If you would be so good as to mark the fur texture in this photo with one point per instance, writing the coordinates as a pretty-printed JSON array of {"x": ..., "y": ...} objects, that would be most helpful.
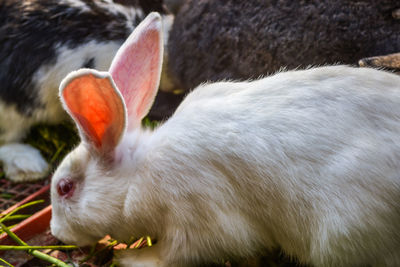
[
  {"x": 41, "y": 41},
  {"x": 228, "y": 39},
  {"x": 305, "y": 160}
]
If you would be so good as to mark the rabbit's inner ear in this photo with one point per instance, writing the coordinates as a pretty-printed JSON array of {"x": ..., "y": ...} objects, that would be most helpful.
[
  {"x": 136, "y": 68},
  {"x": 96, "y": 106}
]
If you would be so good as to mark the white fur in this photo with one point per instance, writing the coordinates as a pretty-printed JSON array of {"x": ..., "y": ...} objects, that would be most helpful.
[
  {"x": 146, "y": 257},
  {"x": 22, "y": 162},
  {"x": 305, "y": 160}
]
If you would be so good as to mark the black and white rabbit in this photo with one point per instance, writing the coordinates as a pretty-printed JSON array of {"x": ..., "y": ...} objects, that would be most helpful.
[
  {"x": 239, "y": 40},
  {"x": 41, "y": 41},
  {"x": 306, "y": 160}
]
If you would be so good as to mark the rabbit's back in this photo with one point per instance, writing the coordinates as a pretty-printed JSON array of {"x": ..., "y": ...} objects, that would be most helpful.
[{"x": 306, "y": 160}]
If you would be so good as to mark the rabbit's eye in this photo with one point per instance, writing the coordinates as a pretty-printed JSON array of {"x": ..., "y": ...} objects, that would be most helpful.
[{"x": 65, "y": 187}]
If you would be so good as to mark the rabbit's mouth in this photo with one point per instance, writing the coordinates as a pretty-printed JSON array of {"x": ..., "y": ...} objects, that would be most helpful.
[{"x": 70, "y": 237}]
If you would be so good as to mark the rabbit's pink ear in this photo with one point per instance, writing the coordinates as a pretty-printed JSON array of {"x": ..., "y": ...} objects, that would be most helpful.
[
  {"x": 97, "y": 107},
  {"x": 136, "y": 68}
]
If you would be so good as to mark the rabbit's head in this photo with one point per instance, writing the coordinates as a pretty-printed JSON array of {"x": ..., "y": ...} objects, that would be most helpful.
[{"x": 89, "y": 187}]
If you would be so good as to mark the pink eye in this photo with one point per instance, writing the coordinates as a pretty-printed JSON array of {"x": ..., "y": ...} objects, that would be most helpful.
[{"x": 65, "y": 187}]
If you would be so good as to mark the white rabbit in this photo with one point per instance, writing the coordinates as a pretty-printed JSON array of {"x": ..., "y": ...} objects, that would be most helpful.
[{"x": 305, "y": 160}]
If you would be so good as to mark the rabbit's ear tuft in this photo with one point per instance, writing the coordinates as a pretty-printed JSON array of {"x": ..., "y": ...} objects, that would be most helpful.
[
  {"x": 136, "y": 68},
  {"x": 97, "y": 107}
]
